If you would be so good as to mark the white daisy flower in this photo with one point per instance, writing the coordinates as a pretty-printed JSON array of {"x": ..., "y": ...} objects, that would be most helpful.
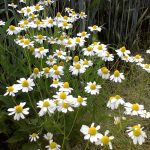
[
  {"x": 65, "y": 88},
  {"x": 77, "y": 68},
  {"x": 56, "y": 84},
  {"x": 51, "y": 60},
  {"x": 47, "y": 106},
  {"x": 60, "y": 54},
  {"x": 53, "y": 146},
  {"x": 80, "y": 101},
  {"x": 108, "y": 57},
  {"x": 115, "y": 101},
  {"x": 40, "y": 38},
  {"x": 95, "y": 28},
  {"x": 36, "y": 73},
  {"x": 92, "y": 88},
  {"x": 89, "y": 51},
  {"x": 86, "y": 63},
  {"x": 133, "y": 109},
  {"x": 90, "y": 133},
  {"x": 117, "y": 76},
  {"x": 105, "y": 140},
  {"x": 25, "y": 85},
  {"x": 145, "y": 114},
  {"x": 2, "y": 23},
  {"x": 11, "y": 90},
  {"x": 136, "y": 134},
  {"x": 138, "y": 58},
  {"x": 13, "y": 30},
  {"x": 83, "y": 34},
  {"x": 18, "y": 111},
  {"x": 46, "y": 72},
  {"x": 33, "y": 137},
  {"x": 79, "y": 41},
  {"x": 104, "y": 73},
  {"x": 122, "y": 51},
  {"x": 48, "y": 136},
  {"x": 40, "y": 52}
]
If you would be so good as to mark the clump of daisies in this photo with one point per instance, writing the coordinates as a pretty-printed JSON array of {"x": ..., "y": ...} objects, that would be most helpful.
[{"x": 61, "y": 58}]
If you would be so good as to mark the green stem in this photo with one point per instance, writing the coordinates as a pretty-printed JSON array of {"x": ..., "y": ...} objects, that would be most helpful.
[
  {"x": 87, "y": 144},
  {"x": 64, "y": 133},
  {"x": 75, "y": 118}
]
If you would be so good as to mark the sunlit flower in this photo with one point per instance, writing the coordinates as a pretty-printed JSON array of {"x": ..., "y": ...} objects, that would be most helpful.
[
  {"x": 95, "y": 28},
  {"x": 108, "y": 57},
  {"x": 11, "y": 90},
  {"x": 80, "y": 101},
  {"x": 36, "y": 73},
  {"x": 77, "y": 68},
  {"x": 18, "y": 111},
  {"x": 133, "y": 109},
  {"x": 104, "y": 73},
  {"x": 117, "y": 76},
  {"x": 2, "y": 23},
  {"x": 122, "y": 52},
  {"x": 40, "y": 52},
  {"x": 89, "y": 51},
  {"x": 105, "y": 140},
  {"x": 90, "y": 133},
  {"x": 92, "y": 88},
  {"x": 25, "y": 84},
  {"x": 52, "y": 146},
  {"x": 138, "y": 58},
  {"x": 48, "y": 136},
  {"x": 47, "y": 106},
  {"x": 83, "y": 34},
  {"x": 56, "y": 84},
  {"x": 13, "y": 30},
  {"x": 65, "y": 88},
  {"x": 51, "y": 60},
  {"x": 136, "y": 134},
  {"x": 115, "y": 101},
  {"x": 33, "y": 137}
]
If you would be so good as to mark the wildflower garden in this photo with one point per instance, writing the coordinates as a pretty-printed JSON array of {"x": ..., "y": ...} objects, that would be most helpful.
[{"x": 69, "y": 81}]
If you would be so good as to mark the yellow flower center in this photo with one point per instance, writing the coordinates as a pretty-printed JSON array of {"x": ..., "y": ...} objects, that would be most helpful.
[
  {"x": 69, "y": 42},
  {"x": 93, "y": 87},
  {"x": 37, "y": 7},
  {"x": 94, "y": 27},
  {"x": 78, "y": 40},
  {"x": 46, "y": 104},
  {"x": 46, "y": 70},
  {"x": 51, "y": 59},
  {"x": 25, "y": 83},
  {"x": 19, "y": 109},
  {"x": 80, "y": 99},
  {"x": 117, "y": 97},
  {"x": 26, "y": 42},
  {"x": 10, "y": 89},
  {"x": 76, "y": 58},
  {"x": 52, "y": 145},
  {"x": 65, "y": 17},
  {"x": 65, "y": 24},
  {"x": 26, "y": 22},
  {"x": 34, "y": 135},
  {"x": 28, "y": 10},
  {"x": 63, "y": 95},
  {"x": 92, "y": 131},
  {"x": 104, "y": 70},
  {"x": 135, "y": 107},
  {"x": 105, "y": 140},
  {"x": 37, "y": 22},
  {"x": 137, "y": 56},
  {"x": 55, "y": 67},
  {"x": 58, "y": 14},
  {"x": 136, "y": 130},
  {"x": 83, "y": 34},
  {"x": 50, "y": 21},
  {"x": 40, "y": 37},
  {"x": 41, "y": 49},
  {"x": 123, "y": 49},
  {"x": 59, "y": 53},
  {"x": 116, "y": 73},
  {"x": 66, "y": 105},
  {"x": 146, "y": 66},
  {"x": 100, "y": 47},
  {"x": 89, "y": 48},
  {"x": 55, "y": 82},
  {"x": 85, "y": 62},
  {"x": 56, "y": 72},
  {"x": 36, "y": 70},
  {"x": 66, "y": 85},
  {"x": 77, "y": 66}
]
